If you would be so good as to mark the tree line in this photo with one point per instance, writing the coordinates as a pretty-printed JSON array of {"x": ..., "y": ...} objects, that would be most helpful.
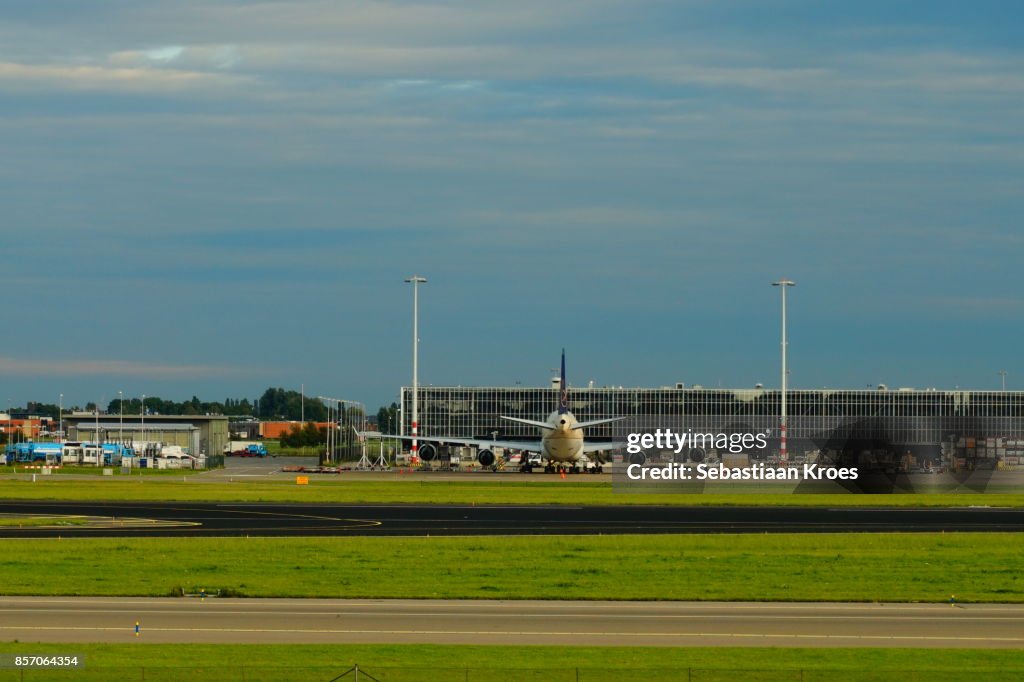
[
  {"x": 304, "y": 435},
  {"x": 274, "y": 404}
]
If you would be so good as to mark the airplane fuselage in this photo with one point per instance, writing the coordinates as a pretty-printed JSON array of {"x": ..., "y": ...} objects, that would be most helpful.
[{"x": 560, "y": 442}]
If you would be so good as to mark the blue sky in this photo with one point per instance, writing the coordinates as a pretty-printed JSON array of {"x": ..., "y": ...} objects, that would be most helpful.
[{"x": 213, "y": 197}]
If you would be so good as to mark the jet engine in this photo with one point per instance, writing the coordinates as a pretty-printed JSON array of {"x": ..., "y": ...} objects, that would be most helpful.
[
  {"x": 638, "y": 457},
  {"x": 428, "y": 452},
  {"x": 485, "y": 458}
]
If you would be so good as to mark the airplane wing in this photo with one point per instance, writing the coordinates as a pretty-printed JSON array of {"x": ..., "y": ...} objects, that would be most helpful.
[
  {"x": 594, "y": 422},
  {"x": 602, "y": 447},
  {"x": 529, "y": 422},
  {"x": 479, "y": 443}
]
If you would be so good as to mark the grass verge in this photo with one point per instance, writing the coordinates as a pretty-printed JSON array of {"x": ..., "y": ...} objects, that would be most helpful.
[
  {"x": 926, "y": 567},
  {"x": 439, "y": 663},
  {"x": 476, "y": 489}
]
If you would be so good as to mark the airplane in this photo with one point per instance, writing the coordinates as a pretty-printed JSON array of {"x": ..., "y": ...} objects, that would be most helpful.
[{"x": 561, "y": 442}]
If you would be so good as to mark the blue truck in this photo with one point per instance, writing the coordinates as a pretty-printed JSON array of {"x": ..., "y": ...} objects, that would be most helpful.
[
  {"x": 245, "y": 449},
  {"x": 34, "y": 453},
  {"x": 55, "y": 454}
]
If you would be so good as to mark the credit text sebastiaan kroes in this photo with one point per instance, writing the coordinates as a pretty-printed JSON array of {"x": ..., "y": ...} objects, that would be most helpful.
[{"x": 666, "y": 439}]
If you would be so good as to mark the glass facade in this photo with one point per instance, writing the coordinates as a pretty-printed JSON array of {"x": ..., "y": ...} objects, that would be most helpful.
[{"x": 918, "y": 420}]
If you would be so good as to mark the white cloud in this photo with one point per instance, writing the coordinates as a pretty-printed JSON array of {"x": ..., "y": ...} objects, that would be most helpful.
[
  {"x": 191, "y": 57},
  {"x": 164, "y": 54}
]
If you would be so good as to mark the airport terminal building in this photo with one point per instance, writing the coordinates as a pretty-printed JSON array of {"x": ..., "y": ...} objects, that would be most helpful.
[{"x": 928, "y": 424}]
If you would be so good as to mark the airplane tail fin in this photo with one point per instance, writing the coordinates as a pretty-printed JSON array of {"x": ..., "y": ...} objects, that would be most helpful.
[{"x": 563, "y": 390}]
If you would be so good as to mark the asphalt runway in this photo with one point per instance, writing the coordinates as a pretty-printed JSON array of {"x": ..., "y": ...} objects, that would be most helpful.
[
  {"x": 272, "y": 468},
  {"x": 120, "y": 519},
  {"x": 103, "y": 619}
]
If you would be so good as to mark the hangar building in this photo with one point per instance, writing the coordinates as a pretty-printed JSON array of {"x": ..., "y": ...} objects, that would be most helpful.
[{"x": 198, "y": 434}]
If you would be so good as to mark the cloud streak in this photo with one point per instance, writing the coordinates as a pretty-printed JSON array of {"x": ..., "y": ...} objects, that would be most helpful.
[
  {"x": 83, "y": 78},
  {"x": 122, "y": 368}
]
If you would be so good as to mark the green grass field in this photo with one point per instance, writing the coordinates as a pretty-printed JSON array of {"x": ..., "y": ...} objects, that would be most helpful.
[
  {"x": 23, "y": 521},
  {"x": 433, "y": 663},
  {"x": 984, "y": 567},
  {"x": 476, "y": 489}
]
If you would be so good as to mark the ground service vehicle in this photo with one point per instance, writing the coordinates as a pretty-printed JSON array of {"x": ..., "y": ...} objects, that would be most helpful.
[{"x": 250, "y": 450}]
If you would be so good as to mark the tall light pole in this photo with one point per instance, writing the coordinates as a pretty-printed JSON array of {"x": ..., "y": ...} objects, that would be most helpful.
[
  {"x": 330, "y": 429},
  {"x": 416, "y": 280},
  {"x": 342, "y": 416},
  {"x": 1002, "y": 375},
  {"x": 60, "y": 417},
  {"x": 142, "y": 414},
  {"x": 120, "y": 417},
  {"x": 783, "y": 454}
]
